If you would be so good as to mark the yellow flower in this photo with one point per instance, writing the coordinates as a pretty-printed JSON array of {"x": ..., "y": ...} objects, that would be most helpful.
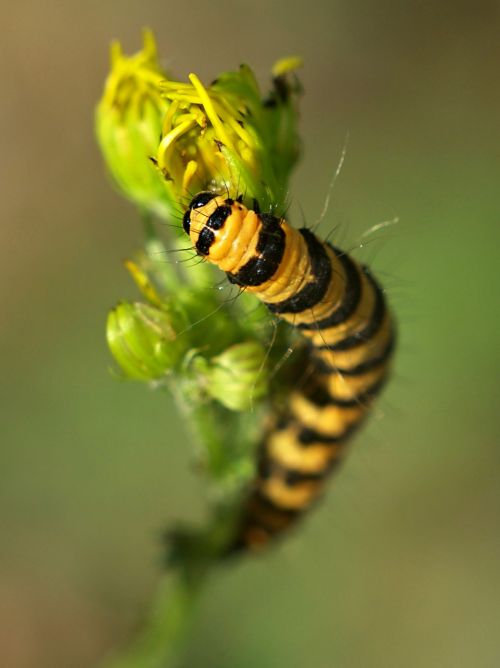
[
  {"x": 225, "y": 137},
  {"x": 165, "y": 140},
  {"x": 129, "y": 119}
]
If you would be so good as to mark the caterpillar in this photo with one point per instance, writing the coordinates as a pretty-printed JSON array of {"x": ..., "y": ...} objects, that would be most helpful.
[{"x": 340, "y": 308}]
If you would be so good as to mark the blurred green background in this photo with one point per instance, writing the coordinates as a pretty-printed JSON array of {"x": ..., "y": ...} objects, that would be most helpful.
[{"x": 400, "y": 564}]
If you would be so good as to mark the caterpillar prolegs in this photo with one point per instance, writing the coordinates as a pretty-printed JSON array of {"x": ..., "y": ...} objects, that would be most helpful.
[{"x": 340, "y": 308}]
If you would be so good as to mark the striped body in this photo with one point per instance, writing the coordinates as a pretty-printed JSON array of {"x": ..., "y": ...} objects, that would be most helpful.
[{"x": 340, "y": 309}]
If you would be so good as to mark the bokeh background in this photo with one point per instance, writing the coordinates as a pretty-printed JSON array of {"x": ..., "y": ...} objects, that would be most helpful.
[{"x": 400, "y": 565}]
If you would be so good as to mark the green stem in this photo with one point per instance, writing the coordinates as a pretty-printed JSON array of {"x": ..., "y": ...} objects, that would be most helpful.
[
  {"x": 162, "y": 639},
  {"x": 208, "y": 432},
  {"x": 205, "y": 429}
]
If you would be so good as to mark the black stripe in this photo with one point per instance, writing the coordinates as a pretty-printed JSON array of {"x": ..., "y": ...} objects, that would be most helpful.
[
  {"x": 282, "y": 422},
  {"x": 293, "y": 477},
  {"x": 270, "y": 248},
  {"x": 254, "y": 517},
  {"x": 267, "y": 503},
  {"x": 314, "y": 291},
  {"x": 372, "y": 327},
  {"x": 205, "y": 240},
  {"x": 218, "y": 217},
  {"x": 350, "y": 300},
  {"x": 307, "y": 436},
  {"x": 363, "y": 367},
  {"x": 265, "y": 466},
  {"x": 319, "y": 395},
  {"x": 269, "y": 467}
]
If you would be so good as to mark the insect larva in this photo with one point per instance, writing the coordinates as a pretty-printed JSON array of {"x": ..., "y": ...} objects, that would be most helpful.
[{"x": 339, "y": 307}]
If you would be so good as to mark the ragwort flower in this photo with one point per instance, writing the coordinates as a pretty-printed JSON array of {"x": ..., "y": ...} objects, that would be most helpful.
[{"x": 165, "y": 140}]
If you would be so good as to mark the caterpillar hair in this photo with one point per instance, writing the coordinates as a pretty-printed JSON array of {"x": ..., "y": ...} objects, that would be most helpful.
[{"x": 340, "y": 308}]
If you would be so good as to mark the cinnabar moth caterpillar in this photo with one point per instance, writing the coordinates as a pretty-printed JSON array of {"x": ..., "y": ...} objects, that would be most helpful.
[{"x": 340, "y": 308}]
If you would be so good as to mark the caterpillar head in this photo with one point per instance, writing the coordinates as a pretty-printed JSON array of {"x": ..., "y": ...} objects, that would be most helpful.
[
  {"x": 219, "y": 228},
  {"x": 244, "y": 243},
  {"x": 197, "y": 202}
]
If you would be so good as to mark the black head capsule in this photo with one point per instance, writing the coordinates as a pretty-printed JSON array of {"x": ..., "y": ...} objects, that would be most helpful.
[
  {"x": 198, "y": 201},
  {"x": 186, "y": 221},
  {"x": 201, "y": 199}
]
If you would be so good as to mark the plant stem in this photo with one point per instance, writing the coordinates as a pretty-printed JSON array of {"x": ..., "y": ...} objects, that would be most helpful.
[{"x": 162, "y": 639}]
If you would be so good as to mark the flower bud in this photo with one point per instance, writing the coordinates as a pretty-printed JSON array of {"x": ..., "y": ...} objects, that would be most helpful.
[
  {"x": 143, "y": 339},
  {"x": 237, "y": 377},
  {"x": 129, "y": 119}
]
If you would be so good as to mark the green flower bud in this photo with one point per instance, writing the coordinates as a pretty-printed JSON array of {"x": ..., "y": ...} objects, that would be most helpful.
[
  {"x": 213, "y": 329},
  {"x": 129, "y": 120},
  {"x": 237, "y": 377},
  {"x": 143, "y": 339}
]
